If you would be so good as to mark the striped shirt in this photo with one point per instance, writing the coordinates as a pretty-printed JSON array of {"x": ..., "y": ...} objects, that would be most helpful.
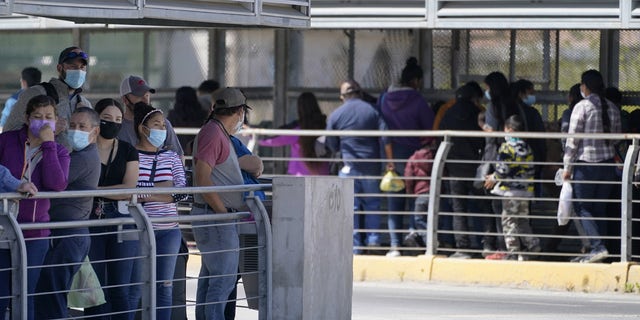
[
  {"x": 168, "y": 167},
  {"x": 586, "y": 117}
]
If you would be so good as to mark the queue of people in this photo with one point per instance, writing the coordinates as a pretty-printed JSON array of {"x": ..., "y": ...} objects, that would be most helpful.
[{"x": 54, "y": 140}]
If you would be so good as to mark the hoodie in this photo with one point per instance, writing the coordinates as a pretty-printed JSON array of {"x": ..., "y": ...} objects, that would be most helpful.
[
  {"x": 404, "y": 108},
  {"x": 49, "y": 174}
]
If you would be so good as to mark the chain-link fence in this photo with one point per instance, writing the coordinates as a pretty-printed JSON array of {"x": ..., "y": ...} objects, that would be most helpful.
[{"x": 318, "y": 60}]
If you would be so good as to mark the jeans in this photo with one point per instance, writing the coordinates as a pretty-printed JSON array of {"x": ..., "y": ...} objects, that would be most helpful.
[
  {"x": 118, "y": 268},
  {"x": 368, "y": 221},
  {"x": 218, "y": 245},
  {"x": 588, "y": 210},
  {"x": 461, "y": 205},
  {"x": 36, "y": 251},
  {"x": 397, "y": 204},
  {"x": 420, "y": 217},
  {"x": 67, "y": 250},
  {"x": 167, "y": 247}
]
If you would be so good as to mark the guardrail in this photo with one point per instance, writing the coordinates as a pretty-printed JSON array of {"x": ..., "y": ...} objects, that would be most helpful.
[
  {"x": 11, "y": 238},
  {"x": 542, "y": 217}
]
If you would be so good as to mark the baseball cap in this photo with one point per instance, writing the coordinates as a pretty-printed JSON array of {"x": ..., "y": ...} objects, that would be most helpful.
[
  {"x": 229, "y": 98},
  {"x": 69, "y": 54},
  {"x": 135, "y": 85}
]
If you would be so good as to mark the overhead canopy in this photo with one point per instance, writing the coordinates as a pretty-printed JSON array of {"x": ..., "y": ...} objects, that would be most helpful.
[
  {"x": 274, "y": 13},
  {"x": 476, "y": 14}
]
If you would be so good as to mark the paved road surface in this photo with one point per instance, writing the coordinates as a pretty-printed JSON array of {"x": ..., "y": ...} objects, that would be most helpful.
[{"x": 409, "y": 301}]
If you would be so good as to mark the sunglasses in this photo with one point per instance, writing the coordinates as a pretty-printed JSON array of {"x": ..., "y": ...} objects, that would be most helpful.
[{"x": 73, "y": 55}]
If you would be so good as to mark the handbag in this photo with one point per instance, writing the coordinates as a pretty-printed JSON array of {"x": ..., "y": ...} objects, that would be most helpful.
[
  {"x": 565, "y": 206},
  {"x": 85, "y": 291},
  {"x": 391, "y": 183}
]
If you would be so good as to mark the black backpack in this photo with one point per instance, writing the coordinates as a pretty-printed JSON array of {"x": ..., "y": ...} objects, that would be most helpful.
[{"x": 51, "y": 91}]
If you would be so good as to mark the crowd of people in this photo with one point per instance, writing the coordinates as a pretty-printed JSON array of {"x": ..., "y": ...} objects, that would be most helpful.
[
  {"x": 485, "y": 176},
  {"x": 54, "y": 139}
]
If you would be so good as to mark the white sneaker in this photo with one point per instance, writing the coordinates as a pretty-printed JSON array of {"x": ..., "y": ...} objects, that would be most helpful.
[{"x": 393, "y": 253}]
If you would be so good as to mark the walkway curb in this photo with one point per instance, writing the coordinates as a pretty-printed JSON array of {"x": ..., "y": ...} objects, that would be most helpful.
[{"x": 596, "y": 277}]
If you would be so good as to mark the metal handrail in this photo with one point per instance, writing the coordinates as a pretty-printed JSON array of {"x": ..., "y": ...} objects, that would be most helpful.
[{"x": 12, "y": 231}]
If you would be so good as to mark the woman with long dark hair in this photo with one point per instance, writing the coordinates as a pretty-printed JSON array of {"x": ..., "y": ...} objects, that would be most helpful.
[
  {"x": 310, "y": 117},
  {"x": 593, "y": 114}
]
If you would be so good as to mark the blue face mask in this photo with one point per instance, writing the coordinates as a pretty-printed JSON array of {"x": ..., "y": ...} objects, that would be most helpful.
[
  {"x": 75, "y": 78},
  {"x": 529, "y": 99},
  {"x": 156, "y": 137},
  {"x": 78, "y": 139},
  {"x": 487, "y": 95}
]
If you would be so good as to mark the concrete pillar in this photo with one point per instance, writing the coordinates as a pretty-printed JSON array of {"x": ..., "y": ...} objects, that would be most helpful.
[{"x": 312, "y": 248}]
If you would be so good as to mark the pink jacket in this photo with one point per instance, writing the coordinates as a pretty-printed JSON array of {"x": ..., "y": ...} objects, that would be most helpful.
[{"x": 418, "y": 169}]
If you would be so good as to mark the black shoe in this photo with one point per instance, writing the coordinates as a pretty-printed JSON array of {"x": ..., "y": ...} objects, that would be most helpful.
[{"x": 414, "y": 240}]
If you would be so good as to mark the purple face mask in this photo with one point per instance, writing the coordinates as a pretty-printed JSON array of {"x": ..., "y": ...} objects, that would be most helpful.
[{"x": 36, "y": 124}]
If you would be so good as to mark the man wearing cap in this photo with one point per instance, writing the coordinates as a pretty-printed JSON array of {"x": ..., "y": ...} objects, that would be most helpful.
[
  {"x": 72, "y": 72},
  {"x": 356, "y": 114},
  {"x": 216, "y": 164},
  {"x": 134, "y": 89}
]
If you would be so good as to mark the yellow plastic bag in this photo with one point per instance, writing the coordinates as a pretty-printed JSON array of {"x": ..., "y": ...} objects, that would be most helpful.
[
  {"x": 86, "y": 290},
  {"x": 391, "y": 183}
]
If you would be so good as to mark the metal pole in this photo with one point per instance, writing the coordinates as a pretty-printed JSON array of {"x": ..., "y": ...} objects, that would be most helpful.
[
  {"x": 626, "y": 213},
  {"x": 434, "y": 195}
]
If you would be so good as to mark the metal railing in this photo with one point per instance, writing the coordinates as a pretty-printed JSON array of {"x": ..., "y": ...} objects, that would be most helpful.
[
  {"x": 11, "y": 238},
  {"x": 542, "y": 217}
]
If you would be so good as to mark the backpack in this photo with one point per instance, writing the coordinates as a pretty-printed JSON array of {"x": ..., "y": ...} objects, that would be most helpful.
[{"x": 51, "y": 91}]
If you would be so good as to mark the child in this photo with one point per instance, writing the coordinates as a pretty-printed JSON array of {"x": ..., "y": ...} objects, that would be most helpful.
[
  {"x": 419, "y": 166},
  {"x": 514, "y": 177}
]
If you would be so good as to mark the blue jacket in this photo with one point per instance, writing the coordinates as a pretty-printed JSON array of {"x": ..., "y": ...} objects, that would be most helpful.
[
  {"x": 7, "y": 182},
  {"x": 356, "y": 114}
]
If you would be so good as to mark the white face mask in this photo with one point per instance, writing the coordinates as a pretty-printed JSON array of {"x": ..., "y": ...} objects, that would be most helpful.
[
  {"x": 584, "y": 96},
  {"x": 239, "y": 125}
]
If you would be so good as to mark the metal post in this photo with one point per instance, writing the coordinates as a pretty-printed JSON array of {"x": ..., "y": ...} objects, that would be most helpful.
[
  {"x": 11, "y": 238},
  {"x": 147, "y": 248},
  {"x": 434, "y": 195},
  {"x": 626, "y": 213},
  {"x": 263, "y": 228}
]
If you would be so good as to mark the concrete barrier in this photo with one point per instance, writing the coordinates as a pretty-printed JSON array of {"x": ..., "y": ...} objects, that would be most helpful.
[
  {"x": 596, "y": 277},
  {"x": 312, "y": 248}
]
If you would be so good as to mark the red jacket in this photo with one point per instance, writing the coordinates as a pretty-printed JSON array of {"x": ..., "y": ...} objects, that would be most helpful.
[{"x": 417, "y": 167}]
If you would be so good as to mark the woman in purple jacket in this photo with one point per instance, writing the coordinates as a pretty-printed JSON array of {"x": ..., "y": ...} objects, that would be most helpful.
[{"x": 31, "y": 154}]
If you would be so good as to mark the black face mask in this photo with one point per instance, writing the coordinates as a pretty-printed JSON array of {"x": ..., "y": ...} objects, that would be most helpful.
[{"x": 109, "y": 129}]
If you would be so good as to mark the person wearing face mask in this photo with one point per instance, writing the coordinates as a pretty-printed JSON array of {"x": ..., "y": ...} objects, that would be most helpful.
[
  {"x": 589, "y": 160},
  {"x": 112, "y": 254},
  {"x": 522, "y": 91},
  {"x": 134, "y": 89},
  {"x": 216, "y": 163},
  {"x": 32, "y": 155},
  {"x": 159, "y": 167},
  {"x": 66, "y": 89},
  {"x": 69, "y": 247},
  {"x": 513, "y": 180}
]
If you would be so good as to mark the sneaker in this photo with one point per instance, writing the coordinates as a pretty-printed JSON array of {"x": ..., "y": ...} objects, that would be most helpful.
[
  {"x": 414, "y": 240},
  {"x": 496, "y": 256},
  {"x": 577, "y": 259},
  {"x": 460, "y": 255},
  {"x": 596, "y": 256},
  {"x": 487, "y": 251},
  {"x": 393, "y": 253}
]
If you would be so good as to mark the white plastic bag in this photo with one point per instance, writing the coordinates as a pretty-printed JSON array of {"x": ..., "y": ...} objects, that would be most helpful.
[
  {"x": 86, "y": 290},
  {"x": 565, "y": 206}
]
